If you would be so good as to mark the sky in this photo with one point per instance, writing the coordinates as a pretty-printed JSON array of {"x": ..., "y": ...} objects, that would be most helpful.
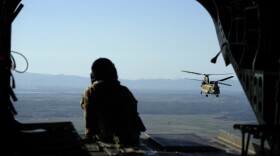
[{"x": 145, "y": 39}]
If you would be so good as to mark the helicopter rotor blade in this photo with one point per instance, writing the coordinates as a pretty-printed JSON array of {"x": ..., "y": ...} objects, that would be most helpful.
[
  {"x": 204, "y": 74},
  {"x": 194, "y": 79},
  {"x": 192, "y": 72},
  {"x": 219, "y": 74},
  {"x": 226, "y": 78},
  {"x": 224, "y": 84}
]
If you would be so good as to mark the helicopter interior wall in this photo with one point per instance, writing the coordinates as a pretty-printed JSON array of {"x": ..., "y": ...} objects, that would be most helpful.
[
  {"x": 246, "y": 32},
  {"x": 248, "y": 39}
]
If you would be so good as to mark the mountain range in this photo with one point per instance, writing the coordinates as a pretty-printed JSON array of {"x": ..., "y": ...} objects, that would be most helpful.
[{"x": 47, "y": 82}]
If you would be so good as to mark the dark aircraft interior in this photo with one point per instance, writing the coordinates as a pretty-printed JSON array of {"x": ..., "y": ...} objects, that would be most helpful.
[{"x": 247, "y": 31}]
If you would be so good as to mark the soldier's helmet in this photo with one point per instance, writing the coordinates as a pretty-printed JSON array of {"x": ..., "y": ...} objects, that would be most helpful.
[{"x": 103, "y": 69}]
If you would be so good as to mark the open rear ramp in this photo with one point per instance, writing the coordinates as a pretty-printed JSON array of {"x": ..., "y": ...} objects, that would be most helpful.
[{"x": 62, "y": 139}]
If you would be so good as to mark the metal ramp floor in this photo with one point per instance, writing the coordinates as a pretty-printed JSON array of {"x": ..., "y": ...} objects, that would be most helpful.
[{"x": 61, "y": 139}]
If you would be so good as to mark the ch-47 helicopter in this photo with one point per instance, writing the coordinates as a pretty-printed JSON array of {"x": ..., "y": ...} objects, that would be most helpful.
[{"x": 210, "y": 87}]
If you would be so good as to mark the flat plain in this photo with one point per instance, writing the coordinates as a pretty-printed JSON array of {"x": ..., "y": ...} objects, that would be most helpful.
[{"x": 165, "y": 112}]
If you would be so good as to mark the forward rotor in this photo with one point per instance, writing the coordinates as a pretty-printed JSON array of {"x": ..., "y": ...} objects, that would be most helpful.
[
  {"x": 203, "y": 73},
  {"x": 194, "y": 79},
  {"x": 224, "y": 83},
  {"x": 226, "y": 78}
]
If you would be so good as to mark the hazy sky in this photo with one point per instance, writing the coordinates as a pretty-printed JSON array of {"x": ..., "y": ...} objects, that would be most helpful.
[{"x": 149, "y": 39}]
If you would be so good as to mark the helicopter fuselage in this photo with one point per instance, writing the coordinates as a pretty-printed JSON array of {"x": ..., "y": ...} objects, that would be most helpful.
[{"x": 210, "y": 88}]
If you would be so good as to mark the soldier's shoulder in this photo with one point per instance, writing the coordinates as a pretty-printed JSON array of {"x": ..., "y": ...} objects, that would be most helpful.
[
  {"x": 123, "y": 87},
  {"x": 87, "y": 90},
  {"x": 94, "y": 85},
  {"x": 90, "y": 87}
]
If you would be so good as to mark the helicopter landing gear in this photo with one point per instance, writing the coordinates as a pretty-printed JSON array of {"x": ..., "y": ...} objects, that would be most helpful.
[
  {"x": 206, "y": 95},
  {"x": 217, "y": 95}
]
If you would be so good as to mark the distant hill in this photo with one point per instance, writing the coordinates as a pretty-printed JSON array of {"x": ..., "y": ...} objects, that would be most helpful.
[{"x": 47, "y": 82}]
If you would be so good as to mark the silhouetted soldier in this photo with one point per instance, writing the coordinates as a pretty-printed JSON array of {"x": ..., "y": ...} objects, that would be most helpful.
[{"x": 110, "y": 109}]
